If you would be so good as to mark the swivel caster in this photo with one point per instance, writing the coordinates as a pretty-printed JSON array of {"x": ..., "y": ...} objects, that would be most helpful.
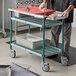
[
  {"x": 4, "y": 35},
  {"x": 12, "y": 53},
  {"x": 46, "y": 67},
  {"x": 64, "y": 60}
]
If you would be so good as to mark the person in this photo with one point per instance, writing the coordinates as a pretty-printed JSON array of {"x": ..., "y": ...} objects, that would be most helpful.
[{"x": 66, "y": 7}]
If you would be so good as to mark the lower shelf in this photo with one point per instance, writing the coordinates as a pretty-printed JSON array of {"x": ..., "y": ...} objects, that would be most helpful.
[{"x": 49, "y": 50}]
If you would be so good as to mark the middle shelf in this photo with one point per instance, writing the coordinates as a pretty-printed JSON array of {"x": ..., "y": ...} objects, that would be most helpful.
[{"x": 36, "y": 21}]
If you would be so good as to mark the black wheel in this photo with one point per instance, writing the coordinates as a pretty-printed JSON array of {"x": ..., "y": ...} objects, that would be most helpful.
[
  {"x": 12, "y": 53},
  {"x": 64, "y": 60},
  {"x": 46, "y": 67},
  {"x": 4, "y": 35}
]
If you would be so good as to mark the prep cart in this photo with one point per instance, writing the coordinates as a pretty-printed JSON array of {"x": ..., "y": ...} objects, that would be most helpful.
[{"x": 38, "y": 19}]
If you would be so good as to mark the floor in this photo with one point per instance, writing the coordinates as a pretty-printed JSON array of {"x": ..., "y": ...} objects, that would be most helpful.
[{"x": 34, "y": 63}]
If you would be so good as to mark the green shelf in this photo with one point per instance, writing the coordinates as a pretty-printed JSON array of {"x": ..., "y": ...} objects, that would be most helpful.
[
  {"x": 49, "y": 50},
  {"x": 36, "y": 21}
]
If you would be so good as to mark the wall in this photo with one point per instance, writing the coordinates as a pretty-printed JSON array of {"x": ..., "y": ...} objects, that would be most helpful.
[
  {"x": 74, "y": 23},
  {"x": 0, "y": 13},
  {"x": 11, "y": 4},
  {"x": 8, "y": 4}
]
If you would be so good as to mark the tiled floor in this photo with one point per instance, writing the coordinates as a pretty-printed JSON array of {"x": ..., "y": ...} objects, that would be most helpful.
[{"x": 25, "y": 59}]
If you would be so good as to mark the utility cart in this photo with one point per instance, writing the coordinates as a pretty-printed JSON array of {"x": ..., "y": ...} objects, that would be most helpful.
[{"x": 36, "y": 17}]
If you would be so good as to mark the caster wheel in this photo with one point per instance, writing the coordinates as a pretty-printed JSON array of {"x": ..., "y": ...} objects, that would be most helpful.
[
  {"x": 64, "y": 60},
  {"x": 46, "y": 67},
  {"x": 12, "y": 53},
  {"x": 4, "y": 35}
]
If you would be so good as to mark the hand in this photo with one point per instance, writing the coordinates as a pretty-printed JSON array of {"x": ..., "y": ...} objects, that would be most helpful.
[
  {"x": 44, "y": 9},
  {"x": 43, "y": 5},
  {"x": 65, "y": 14},
  {"x": 53, "y": 15}
]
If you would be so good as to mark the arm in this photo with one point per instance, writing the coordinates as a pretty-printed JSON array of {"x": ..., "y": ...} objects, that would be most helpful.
[
  {"x": 45, "y": 1},
  {"x": 70, "y": 8},
  {"x": 43, "y": 5},
  {"x": 72, "y": 4},
  {"x": 66, "y": 12}
]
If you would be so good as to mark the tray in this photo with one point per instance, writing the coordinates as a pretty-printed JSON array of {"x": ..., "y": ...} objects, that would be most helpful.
[
  {"x": 34, "y": 10},
  {"x": 5, "y": 70},
  {"x": 29, "y": 41},
  {"x": 58, "y": 17}
]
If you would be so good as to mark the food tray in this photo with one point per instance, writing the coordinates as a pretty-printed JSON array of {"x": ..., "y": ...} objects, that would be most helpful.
[
  {"x": 32, "y": 10},
  {"x": 5, "y": 70},
  {"x": 29, "y": 41},
  {"x": 58, "y": 17}
]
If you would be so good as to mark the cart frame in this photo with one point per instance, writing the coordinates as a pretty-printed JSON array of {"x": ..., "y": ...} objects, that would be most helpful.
[{"x": 45, "y": 66}]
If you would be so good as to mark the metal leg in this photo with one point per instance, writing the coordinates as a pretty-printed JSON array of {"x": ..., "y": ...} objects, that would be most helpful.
[
  {"x": 62, "y": 37},
  {"x": 12, "y": 52},
  {"x": 3, "y": 17},
  {"x": 43, "y": 55},
  {"x": 29, "y": 29},
  {"x": 10, "y": 31},
  {"x": 29, "y": 32},
  {"x": 64, "y": 59},
  {"x": 3, "y": 28},
  {"x": 45, "y": 66}
]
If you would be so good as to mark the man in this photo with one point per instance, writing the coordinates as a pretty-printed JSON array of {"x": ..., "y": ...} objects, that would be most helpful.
[{"x": 65, "y": 6}]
